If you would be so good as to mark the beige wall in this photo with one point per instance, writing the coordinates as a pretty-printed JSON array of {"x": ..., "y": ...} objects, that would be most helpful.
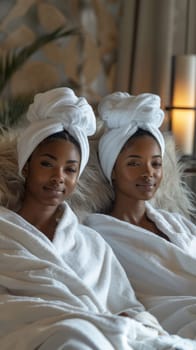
[
  {"x": 127, "y": 44},
  {"x": 88, "y": 63}
]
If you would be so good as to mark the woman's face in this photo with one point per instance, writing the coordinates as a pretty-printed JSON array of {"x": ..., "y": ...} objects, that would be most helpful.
[
  {"x": 138, "y": 169},
  {"x": 51, "y": 172}
]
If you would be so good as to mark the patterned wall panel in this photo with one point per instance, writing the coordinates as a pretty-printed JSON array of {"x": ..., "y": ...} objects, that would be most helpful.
[{"x": 86, "y": 62}]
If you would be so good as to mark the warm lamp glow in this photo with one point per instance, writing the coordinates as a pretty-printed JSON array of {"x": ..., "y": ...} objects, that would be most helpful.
[
  {"x": 184, "y": 93},
  {"x": 183, "y": 124}
]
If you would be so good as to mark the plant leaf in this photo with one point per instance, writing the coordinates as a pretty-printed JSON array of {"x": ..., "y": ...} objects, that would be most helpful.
[
  {"x": 14, "y": 59},
  {"x": 12, "y": 110}
]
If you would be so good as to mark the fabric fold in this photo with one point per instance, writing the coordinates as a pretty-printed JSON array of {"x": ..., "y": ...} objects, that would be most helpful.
[{"x": 50, "y": 300}]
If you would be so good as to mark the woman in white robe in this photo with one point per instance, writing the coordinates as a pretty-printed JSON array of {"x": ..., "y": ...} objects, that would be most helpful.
[
  {"x": 61, "y": 286},
  {"x": 157, "y": 248}
]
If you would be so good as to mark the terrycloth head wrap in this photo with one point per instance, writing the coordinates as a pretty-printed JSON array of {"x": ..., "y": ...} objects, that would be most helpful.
[
  {"x": 124, "y": 114},
  {"x": 54, "y": 111}
]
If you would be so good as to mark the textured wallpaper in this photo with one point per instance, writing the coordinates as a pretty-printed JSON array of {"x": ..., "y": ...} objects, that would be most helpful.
[{"x": 86, "y": 62}]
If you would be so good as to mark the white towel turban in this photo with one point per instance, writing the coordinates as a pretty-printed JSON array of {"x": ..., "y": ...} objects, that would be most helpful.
[
  {"x": 124, "y": 114},
  {"x": 54, "y": 111}
]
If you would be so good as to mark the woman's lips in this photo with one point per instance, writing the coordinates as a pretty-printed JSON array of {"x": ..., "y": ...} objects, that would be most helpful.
[
  {"x": 146, "y": 186},
  {"x": 54, "y": 191}
]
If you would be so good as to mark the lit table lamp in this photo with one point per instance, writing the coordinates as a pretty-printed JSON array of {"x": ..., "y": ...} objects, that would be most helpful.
[{"x": 182, "y": 109}]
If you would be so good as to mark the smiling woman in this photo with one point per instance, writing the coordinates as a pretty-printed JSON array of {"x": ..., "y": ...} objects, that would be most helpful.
[
  {"x": 156, "y": 247},
  {"x": 136, "y": 177},
  {"x": 54, "y": 158},
  {"x": 139, "y": 165},
  {"x": 51, "y": 174}
]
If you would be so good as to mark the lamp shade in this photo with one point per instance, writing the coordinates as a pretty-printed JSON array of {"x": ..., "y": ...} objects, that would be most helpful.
[{"x": 183, "y": 102}]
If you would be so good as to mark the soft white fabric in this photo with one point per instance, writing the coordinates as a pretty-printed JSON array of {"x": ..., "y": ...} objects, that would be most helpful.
[
  {"x": 123, "y": 115},
  {"x": 162, "y": 273},
  {"x": 53, "y": 111},
  {"x": 67, "y": 294}
]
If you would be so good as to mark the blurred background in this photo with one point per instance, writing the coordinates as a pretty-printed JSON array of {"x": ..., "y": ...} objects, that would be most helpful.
[{"x": 101, "y": 46}]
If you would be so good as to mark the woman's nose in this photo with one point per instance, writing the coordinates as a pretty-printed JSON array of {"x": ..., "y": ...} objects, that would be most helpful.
[
  {"x": 148, "y": 171},
  {"x": 58, "y": 176}
]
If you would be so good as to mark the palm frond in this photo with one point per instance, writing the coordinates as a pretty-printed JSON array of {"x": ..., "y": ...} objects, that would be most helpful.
[
  {"x": 12, "y": 110},
  {"x": 14, "y": 59}
]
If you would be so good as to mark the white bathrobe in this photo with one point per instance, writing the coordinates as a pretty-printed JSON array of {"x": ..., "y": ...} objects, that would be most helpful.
[
  {"x": 162, "y": 273},
  {"x": 66, "y": 294}
]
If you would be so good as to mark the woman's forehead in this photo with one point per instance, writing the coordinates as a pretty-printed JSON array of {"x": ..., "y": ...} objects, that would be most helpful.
[
  {"x": 140, "y": 140},
  {"x": 58, "y": 146},
  {"x": 142, "y": 143}
]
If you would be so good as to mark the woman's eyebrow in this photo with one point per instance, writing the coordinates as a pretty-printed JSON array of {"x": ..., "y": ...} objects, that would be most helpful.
[
  {"x": 137, "y": 156},
  {"x": 72, "y": 161},
  {"x": 156, "y": 156},
  {"x": 134, "y": 155},
  {"x": 48, "y": 155}
]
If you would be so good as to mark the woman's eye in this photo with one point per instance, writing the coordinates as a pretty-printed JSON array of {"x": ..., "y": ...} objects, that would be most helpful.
[
  {"x": 46, "y": 163},
  {"x": 133, "y": 163},
  {"x": 157, "y": 165},
  {"x": 71, "y": 170}
]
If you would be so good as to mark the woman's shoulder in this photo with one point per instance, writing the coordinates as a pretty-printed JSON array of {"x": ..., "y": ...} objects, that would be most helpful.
[
  {"x": 173, "y": 215},
  {"x": 5, "y": 212},
  {"x": 99, "y": 219},
  {"x": 89, "y": 231},
  {"x": 172, "y": 221}
]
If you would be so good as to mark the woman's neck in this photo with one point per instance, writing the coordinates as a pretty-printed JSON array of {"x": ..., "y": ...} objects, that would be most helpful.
[
  {"x": 44, "y": 218},
  {"x": 135, "y": 214},
  {"x": 129, "y": 210}
]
